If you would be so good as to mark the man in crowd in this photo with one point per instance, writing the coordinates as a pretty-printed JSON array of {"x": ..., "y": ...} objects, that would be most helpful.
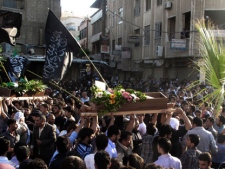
[
  {"x": 43, "y": 140},
  {"x": 205, "y": 161},
  {"x": 189, "y": 158}
]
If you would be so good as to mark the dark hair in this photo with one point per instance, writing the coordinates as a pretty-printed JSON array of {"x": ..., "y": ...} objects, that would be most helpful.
[
  {"x": 101, "y": 141},
  {"x": 197, "y": 121},
  {"x": 70, "y": 101},
  {"x": 4, "y": 145},
  {"x": 221, "y": 138},
  {"x": 11, "y": 121},
  {"x": 68, "y": 108},
  {"x": 62, "y": 144},
  {"x": 17, "y": 145},
  {"x": 37, "y": 164},
  {"x": 113, "y": 130},
  {"x": 115, "y": 164},
  {"x": 136, "y": 161},
  {"x": 165, "y": 144},
  {"x": 124, "y": 135},
  {"x": 152, "y": 166},
  {"x": 205, "y": 156},
  {"x": 211, "y": 119},
  {"x": 42, "y": 116},
  {"x": 84, "y": 132},
  {"x": 58, "y": 106},
  {"x": 222, "y": 119},
  {"x": 102, "y": 159},
  {"x": 22, "y": 153},
  {"x": 151, "y": 129},
  {"x": 194, "y": 138},
  {"x": 165, "y": 129},
  {"x": 73, "y": 162},
  {"x": 45, "y": 106}
]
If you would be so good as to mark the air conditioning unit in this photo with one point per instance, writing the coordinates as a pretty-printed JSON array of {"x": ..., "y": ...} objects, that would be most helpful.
[
  {"x": 159, "y": 51},
  {"x": 168, "y": 5}
]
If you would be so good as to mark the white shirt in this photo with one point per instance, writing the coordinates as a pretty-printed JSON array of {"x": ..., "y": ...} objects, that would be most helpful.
[
  {"x": 4, "y": 160},
  {"x": 111, "y": 149},
  {"x": 168, "y": 161},
  {"x": 90, "y": 161},
  {"x": 142, "y": 128}
]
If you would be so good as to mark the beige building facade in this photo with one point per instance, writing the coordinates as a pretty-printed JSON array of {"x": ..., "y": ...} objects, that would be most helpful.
[{"x": 157, "y": 38}]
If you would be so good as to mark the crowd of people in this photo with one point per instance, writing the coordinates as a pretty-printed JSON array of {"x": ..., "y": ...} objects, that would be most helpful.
[{"x": 52, "y": 133}]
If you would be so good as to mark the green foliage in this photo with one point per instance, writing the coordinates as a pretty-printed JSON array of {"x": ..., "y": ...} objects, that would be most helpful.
[{"x": 213, "y": 52}]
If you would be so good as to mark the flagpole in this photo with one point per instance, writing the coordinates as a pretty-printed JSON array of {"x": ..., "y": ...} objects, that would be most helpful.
[
  {"x": 57, "y": 86},
  {"x": 5, "y": 71}
]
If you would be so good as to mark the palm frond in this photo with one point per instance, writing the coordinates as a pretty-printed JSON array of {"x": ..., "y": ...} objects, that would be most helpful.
[{"x": 212, "y": 50}]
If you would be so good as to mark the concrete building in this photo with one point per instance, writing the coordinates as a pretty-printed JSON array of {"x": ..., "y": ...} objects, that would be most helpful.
[{"x": 157, "y": 38}]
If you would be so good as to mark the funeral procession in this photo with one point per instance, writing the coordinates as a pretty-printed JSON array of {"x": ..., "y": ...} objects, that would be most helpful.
[{"x": 112, "y": 84}]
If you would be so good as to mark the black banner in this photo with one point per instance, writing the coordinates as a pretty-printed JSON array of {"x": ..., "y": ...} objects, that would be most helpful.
[
  {"x": 10, "y": 24},
  {"x": 59, "y": 47},
  {"x": 16, "y": 67}
]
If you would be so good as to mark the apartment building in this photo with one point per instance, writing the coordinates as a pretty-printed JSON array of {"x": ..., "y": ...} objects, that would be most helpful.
[{"x": 157, "y": 38}]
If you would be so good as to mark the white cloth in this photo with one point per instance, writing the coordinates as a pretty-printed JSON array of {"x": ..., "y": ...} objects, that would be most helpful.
[
  {"x": 90, "y": 161},
  {"x": 168, "y": 161},
  {"x": 19, "y": 115},
  {"x": 174, "y": 123},
  {"x": 142, "y": 128}
]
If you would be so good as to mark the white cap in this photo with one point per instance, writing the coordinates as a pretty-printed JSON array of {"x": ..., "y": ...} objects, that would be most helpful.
[{"x": 19, "y": 115}]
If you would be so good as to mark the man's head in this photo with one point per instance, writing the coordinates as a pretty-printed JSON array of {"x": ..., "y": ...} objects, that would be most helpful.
[
  {"x": 198, "y": 113},
  {"x": 197, "y": 122},
  {"x": 165, "y": 131},
  {"x": 4, "y": 146},
  {"x": 44, "y": 108},
  {"x": 192, "y": 140},
  {"x": 141, "y": 117},
  {"x": 220, "y": 121},
  {"x": 221, "y": 139},
  {"x": 151, "y": 129},
  {"x": 102, "y": 160},
  {"x": 86, "y": 135},
  {"x": 56, "y": 109},
  {"x": 113, "y": 133},
  {"x": 12, "y": 124},
  {"x": 22, "y": 153},
  {"x": 125, "y": 138},
  {"x": 101, "y": 141},
  {"x": 62, "y": 144},
  {"x": 136, "y": 161},
  {"x": 37, "y": 163},
  {"x": 68, "y": 111},
  {"x": 205, "y": 160},
  {"x": 209, "y": 122},
  {"x": 73, "y": 162},
  {"x": 51, "y": 119},
  {"x": 40, "y": 120},
  {"x": 164, "y": 145}
]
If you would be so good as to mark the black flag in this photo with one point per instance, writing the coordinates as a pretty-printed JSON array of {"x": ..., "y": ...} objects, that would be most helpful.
[
  {"x": 59, "y": 45},
  {"x": 10, "y": 23}
]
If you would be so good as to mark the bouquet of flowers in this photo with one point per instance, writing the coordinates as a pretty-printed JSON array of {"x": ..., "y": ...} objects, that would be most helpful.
[{"x": 112, "y": 99}]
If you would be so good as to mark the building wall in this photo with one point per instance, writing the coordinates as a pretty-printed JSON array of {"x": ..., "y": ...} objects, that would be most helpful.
[{"x": 144, "y": 56}]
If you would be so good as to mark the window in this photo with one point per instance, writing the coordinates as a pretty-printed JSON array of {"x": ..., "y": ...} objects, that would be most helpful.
[
  {"x": 137, "y": 9},
  {"x": 120, "y": 13},
  {"x": 113, "y": 44},
  {"x": 171, "y": 28},
  {"x": 97, "y": 27},
  {"x": 137, "y": 31},
  {"x": 159, "y": 2},
  {"x": 147, "y": 35},
  {"x": 119, "y": 41},
  {"x": 148, "y": 4},
  {"x": 83, "y": 33},
  {"x": 185, "y": 32},
  {"x": 114, "y": 19},
  {"x": 158, "y": 30},
  {"x": 13, "y": 4}
]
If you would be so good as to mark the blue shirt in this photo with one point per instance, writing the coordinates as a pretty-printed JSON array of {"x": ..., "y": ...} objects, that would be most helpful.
[
  {"x": 111, "y": 149},
  {"x": 219, "y": 157}
]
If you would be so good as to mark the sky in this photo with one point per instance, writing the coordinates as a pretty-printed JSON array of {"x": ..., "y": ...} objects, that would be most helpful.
[{"x": 79, "y": 7}]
